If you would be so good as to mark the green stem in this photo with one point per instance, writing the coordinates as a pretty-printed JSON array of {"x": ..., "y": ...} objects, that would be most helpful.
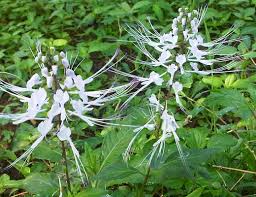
[
  {"x": 64, "y": 155},
  {"x": 63, "y": 147},
  {"x": 146, "y": 178}
]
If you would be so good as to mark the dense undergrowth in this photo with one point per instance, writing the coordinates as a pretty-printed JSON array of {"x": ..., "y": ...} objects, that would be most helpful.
[{"x": 217, "y": 134}]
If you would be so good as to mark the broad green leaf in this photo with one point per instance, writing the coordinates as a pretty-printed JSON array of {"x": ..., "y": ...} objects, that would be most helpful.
[
  {"x": 42, "y": 184},
  {"x": 141, "y": 4},
  {"x": 251, "y": 54},
  {"x": 232, "y": 99},
  {"x": 214, "y": 81},
  {"x": 24, "y": 136},
  {"x": 47, "y": 152},
  {"x": 6, "y": 183},
  {"x": 117, "y": 173},
  {"x": 101, "y": 46},
  {"x": 158, "y": 12},
  {"x": 174, "y": 168},
  {"x": 230, "y": 79},
  {"x": 92, "y": 192},
  {"x": 227, "y": 50},
  {"x": 59, "y": 42},
  {"x": 196, "y": 193},
  {"x": 221, "y": 141},
  {"x": 197, "y": 137},
  {"x": 114, "y": 145}
]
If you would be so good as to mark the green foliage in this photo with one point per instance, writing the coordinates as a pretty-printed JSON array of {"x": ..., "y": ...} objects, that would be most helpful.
[{"x": 219, "y": 129}]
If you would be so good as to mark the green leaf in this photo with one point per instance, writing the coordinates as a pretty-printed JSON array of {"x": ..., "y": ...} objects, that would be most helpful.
[
  {"x": 158, "y": 12},
  {"x": 90, "y": 159},
  {"x": 196, "y": 193},
  {"x": 230, "y": 79},
  {"x": 141, "y": 4},
  {"x": 24, "y": 136},
  {"x": 197, "y": 138},
  {"x": 232, "y": 99},
  {"x": 59, "y": 42},
  {"x": 41, "y": 184},
  {"x": 101, "y": 46},
  {"x": 92, "y": 192},
  {"x": 118, "y": 173},
  {"x": 221, "y": 141},
  {"x": 227, "y": 50},
  {"x": 6, "y": 183},
  {"x": 114, "y": 145},
  {"x": 47, "y": 152},
  {"x": 214, "y": 81},
  {"x": 251, "y": 54},
  {"x": 174, "y": 168}
]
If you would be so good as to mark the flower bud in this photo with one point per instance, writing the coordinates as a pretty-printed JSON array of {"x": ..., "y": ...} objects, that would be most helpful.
[
  {"x": 36, "y": 59},
  {"x": 43, "y": 58},
  {"x": 54, "y": 69},
  {"x": 65, "y": 62},
  {"x": 62, "y": 54},
  {"x": 56, "y": 58},
  {"x": 49, "y": 81},
  {"x": 183, "y": 21},
  {"x": 68, "y": 82},
  {"x": 44, "y": 71},
  {"x": 39, "y": 54}
]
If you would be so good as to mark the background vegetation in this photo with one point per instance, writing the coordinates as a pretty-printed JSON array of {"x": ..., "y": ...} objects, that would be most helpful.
[{"x": 222, "y": 134}]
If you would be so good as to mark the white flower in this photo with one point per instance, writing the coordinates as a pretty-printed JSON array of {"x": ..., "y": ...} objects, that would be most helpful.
[
  {"x": 177, "y": 88},
  {"x": 181, "y": 59},
  {"x": 34, "y": 80},
  {"x": 153, "y": 101},
  {"x": 43, "y": 58},
  {"x": 44, "y": 72},
  {"x": 35, "y": 103},
  {"x": 68, "y": 89},
  {"x": 54, "y": 69},
  {"x": 171, "y": 70},
  {"x": 65, "y": 62},
  {"x": 155, "y": 78},
  {"x": 56, "y": 58},
  {"x": 62, "y": 54},
  {"x": 164, "y": 56},
  {"x": 49, "y": 81}
]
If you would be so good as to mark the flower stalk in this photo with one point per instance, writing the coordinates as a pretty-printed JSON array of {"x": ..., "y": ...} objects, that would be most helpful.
[{"x": 56, "y": 86}]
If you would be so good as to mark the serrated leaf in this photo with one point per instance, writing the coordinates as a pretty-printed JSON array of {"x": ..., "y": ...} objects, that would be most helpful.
[
  {"x": 221, "y": 141},
  {"x": 42, "y": 184},
  {"x": 118, "y": 173},
  {"x": 196, "y": 193},
  {"x": 92, "y": 192},
  {"x": 230, "y": 98},
  {"x": 114, "y": 145},
  {"x": 45, "y": 151},
  {"x": 141, "y": 4}
]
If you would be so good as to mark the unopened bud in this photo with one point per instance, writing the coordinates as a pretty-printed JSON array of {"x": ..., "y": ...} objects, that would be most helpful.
[
  {"x": 65, "y": 62},
  {"x": 62, "y": 54},
  {"x": 43, "y": 58},
  {"x": 54, "y": 69},
  {"x": 56, "y": 58},
  {"x": 36, "y": 59}
]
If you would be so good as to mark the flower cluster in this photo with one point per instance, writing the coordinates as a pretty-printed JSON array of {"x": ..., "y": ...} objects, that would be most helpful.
[
  {"x": 58, "y": 93},
  {"x": 171, "y": 55},
  {"x": 55, "y": 95}
]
